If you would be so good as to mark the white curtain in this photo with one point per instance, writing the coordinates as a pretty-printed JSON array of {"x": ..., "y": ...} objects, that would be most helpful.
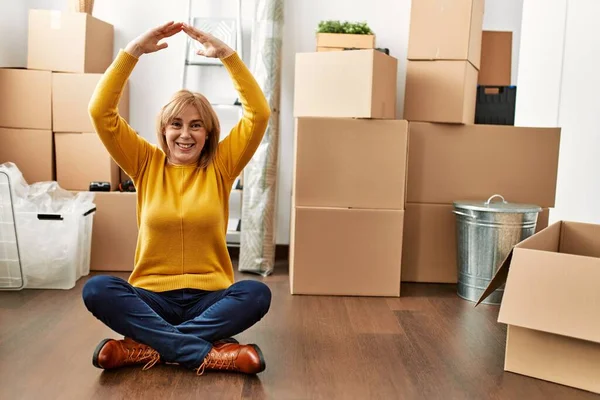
[{"x": 257, "y": 243}]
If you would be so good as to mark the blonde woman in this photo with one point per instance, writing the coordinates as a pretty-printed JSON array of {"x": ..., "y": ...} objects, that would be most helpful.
[{"x": 180, "y": 305}]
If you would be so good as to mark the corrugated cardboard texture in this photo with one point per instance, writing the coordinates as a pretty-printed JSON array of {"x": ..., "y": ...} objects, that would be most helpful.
[
  {"x": 115, "y": 231},
  {"x": 25, "y": 98},
  {"x": 71, "y": 94},
  {"x": 353, "y": 84},
  {"x": 496, "y": 59},
  {"x": 553, "y": 358},
  {"x": 440, "y": 91},
  {"x": 429, "y": 246},
  {"x": 346, "y": 252},
  {"x": 81, "y": 158},
  {"x": 446, "y": 30},
  {"x": 447, "y": 163},
  {"x": 30, "y": 150},
  {"x": 68, "y": 42},
  {"x": 345, "y": 162},
  {"x": 345, "y": 41}
]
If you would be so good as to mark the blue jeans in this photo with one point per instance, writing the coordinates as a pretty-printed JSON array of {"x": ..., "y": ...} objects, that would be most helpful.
[{"x": 180, "y": 324}]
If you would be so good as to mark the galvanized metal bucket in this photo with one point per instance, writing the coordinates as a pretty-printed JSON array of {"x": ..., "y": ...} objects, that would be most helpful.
[{"x": 485, "y": 234}]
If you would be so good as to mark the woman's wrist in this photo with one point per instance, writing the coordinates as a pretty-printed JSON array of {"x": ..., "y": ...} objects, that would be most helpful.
[
  {"x": 225, "y": 52},
  {"x": 134, "y": 50}
]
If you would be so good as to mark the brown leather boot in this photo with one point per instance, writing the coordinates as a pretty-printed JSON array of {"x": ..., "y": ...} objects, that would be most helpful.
[
  {"x": 111, "y": 353},
  {"x": 244, "y": 358}
]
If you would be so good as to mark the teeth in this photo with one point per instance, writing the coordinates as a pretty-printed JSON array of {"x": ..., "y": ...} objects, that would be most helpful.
[{"x": 185, "y": 145}]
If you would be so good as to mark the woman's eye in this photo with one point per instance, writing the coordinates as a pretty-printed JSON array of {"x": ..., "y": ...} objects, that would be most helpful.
[
  {"x": 175, "y": 124},
  {"x": 196, "y": 126}
]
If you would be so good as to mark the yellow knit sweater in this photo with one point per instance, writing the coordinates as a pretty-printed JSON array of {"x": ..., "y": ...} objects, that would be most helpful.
[{"x": 182, "y": 211}]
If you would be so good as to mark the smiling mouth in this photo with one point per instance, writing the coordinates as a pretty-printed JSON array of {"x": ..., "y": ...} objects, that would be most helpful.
[{"x": 185, "y": 146}]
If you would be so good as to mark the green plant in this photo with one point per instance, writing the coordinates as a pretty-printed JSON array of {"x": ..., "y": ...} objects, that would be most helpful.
[{"x": 356, "y": 28}]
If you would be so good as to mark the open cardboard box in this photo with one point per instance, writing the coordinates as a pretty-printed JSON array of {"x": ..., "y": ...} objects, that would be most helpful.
[{"x": 551, "y": 305}]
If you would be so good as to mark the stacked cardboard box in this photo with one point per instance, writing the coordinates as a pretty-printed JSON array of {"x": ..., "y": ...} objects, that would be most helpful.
[
  {"x": 44, "y": 124},
  {"x": 450, "y": 158},
  {"x": 46, "y": 131},
  {"x": 349, "y": 175}
]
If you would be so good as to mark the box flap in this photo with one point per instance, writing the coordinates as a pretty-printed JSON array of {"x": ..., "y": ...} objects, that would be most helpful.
[
  {"x": 553, "y": 292},
  {"x": 498, "y": 280},
  {"x": 580, "y": 239},
  {"x": 547, "y": 239}
]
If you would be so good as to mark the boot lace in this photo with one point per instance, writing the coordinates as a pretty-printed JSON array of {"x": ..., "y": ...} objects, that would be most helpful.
[
  {"x": 138, "y": 355},
  {"x": 215, "y": 360}
]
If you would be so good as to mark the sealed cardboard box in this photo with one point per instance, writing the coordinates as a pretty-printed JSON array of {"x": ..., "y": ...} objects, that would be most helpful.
[
  {"x": 30, "y": 150},
  {"x": 550, "y": 305},
  {"x": 440, "y": 91},
  {"x": 346, "y": 162},
  {"x": 447, "y": 163},
  {"x": 429, "y": 245},
  {"x": 115, "y": 232},
  {"x": 347, "y": 252},
  {"x": 81, "y": 158},
  {"x": 496, "y": 59},
  {"x": 26, "y": 99},
  {"x": 446, "y": 30},
  {"x": 341, "y": 41},
  {"x": 353, "y": 84},
  {"x": 68, "y": 42},
  {"x": 71, "y": 94}
]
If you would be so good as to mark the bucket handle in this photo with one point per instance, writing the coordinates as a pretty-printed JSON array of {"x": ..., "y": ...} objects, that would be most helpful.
[{"x": 487, "y": 203}]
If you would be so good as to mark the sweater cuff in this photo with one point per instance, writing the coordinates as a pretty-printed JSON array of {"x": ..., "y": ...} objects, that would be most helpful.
[
  {"x": 233, "y": 62},
  {"x": 125, "y": 62}
]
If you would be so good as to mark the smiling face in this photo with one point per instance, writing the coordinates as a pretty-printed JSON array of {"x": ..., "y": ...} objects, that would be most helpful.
[
  {"x": 188, "y": 129},
  {"x": 185, "y": 136}
]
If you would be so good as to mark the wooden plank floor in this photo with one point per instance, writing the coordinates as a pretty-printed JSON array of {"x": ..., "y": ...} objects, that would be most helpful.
[{"x": 429, "y": 344}]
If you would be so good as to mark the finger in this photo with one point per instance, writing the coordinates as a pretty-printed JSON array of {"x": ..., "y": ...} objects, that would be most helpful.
[
  {"x": 165, "y": 26},
  {"x": 161, "y": 46},
  {"x": 171, "y": 31},
  {"x": 201, "y": 53},
  {"x": 195, "y": 33}
]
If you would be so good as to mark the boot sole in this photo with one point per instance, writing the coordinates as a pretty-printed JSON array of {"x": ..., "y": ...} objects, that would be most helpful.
[
  {"x": 263, "y": 364},
  {"x": 97, "y": 353}
]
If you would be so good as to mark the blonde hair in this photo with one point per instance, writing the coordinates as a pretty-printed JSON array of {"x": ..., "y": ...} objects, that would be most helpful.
[{"x": 210, "y": 122}]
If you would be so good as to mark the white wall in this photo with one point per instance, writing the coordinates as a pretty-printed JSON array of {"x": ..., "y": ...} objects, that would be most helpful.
[
  {"x": 563, "y": 60},
  {"x": 157, "y": 76},
  {"x": 13, "y": 34}
]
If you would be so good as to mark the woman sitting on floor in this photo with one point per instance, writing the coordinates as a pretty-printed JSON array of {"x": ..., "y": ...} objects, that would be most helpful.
[{"x": 180, "y": 304}]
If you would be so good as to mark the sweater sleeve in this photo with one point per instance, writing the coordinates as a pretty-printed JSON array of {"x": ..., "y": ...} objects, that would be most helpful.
[
  {"x": 129, "y": 150},
  {"x": 236, "y": 150}
]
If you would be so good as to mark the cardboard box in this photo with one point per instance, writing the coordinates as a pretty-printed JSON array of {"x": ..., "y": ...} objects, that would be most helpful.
[
  {"x": 429, "y": 245},
  {"x": 341, "y": 41},
  {"x": 550, "y": 305},
  {"x": 345, "y": 162},
  {"x": 124, "y": 177},
  {"x": 440, "y": 91},
  {"x": 353, "y": 84},
  {"x": 30, "y": 150},
  {"x": 69, "y": 42},
  {"x": 496, "y": 59},
  {"x": 347, "y": 252},
  {"x": 447, "y": 163},
  {"x": 26, "y": 99},
  {"x": 71, "y": 95},
  {"x": 81, "y": 158},
  {"x": 446, "y": 30},
  {"x": 115, "y": 232}
]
